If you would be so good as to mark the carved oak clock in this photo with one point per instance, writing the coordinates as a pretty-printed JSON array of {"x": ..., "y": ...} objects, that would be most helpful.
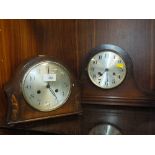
[{"x": 42, "y": 88}]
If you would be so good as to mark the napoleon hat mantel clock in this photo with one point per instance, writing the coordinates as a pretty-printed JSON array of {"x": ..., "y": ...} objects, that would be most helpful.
[
  {"x": 108, "y": 75},
  {"x": 42, "y": 88}
]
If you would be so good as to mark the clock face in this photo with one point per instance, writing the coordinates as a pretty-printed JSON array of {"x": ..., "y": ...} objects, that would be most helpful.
[
  {"x": 46, "y": 86},
  {"x": 104, "y": 129},
  {"x": 107, "y": 69}
]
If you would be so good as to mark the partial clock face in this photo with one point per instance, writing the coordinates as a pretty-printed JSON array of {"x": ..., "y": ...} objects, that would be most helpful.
[
  {"x": 104, "y": 129},
  {"x": 46, "y": 86},
  {"x": 107, "y": 69}
]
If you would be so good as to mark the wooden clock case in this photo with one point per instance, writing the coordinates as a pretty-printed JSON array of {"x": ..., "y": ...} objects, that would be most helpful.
[
  {"x": 19, "y": 111},
  {"x": 128, "y": 93}
]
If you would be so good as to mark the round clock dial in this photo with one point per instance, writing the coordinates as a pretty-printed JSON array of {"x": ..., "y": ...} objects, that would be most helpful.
[
  {"x": 46, "y": 86},
  {"x": 107, "y": 69},
  {"x": 104, "y": 129}
]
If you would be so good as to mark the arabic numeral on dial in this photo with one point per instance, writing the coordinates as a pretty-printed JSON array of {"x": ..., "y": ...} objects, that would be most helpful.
[
  {"x": 32, "y": 96},
  {"x": 106, "y": 83},
  {"x": 95, "y": 62},
  {"x": 28, "y": 86},
  {"x": 94, "y": 76},
  {"x": 113, "y": 81},
  {"x": 106, "y": 55},
  {"x": 100, "y": 57}
]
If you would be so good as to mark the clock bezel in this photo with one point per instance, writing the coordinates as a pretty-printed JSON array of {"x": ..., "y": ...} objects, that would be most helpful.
[
  {"x": 39, "y": 63},
  {"x": 109, "y": 48},
  {"x": 99, "y": 85}
]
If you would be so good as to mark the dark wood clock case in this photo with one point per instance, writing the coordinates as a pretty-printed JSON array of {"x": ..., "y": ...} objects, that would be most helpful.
[
  {"x": 128, "y": 93},
  {"x": 20, "y": 112}
]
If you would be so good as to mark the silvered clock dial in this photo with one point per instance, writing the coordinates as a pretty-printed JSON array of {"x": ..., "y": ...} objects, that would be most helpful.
[
  {"x": 104, "y": 129},
  {"x": 107, "y": 69},
  {"x": 46, "y": 86}
]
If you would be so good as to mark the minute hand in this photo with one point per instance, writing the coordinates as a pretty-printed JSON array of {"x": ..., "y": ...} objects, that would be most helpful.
[
  {"x": 52, "y": 92},
  {"x": 48, "y": 86}
]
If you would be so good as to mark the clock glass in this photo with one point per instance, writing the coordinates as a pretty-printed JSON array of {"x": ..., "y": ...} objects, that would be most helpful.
[
  {"x": 107, "y": 69},
  {"x": 46, "y": 86}
]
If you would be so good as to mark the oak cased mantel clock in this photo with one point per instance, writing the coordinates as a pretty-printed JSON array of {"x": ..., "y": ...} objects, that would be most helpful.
[
  {"x": 107, "y": 78},
  {"x": 42, "y": 88}
]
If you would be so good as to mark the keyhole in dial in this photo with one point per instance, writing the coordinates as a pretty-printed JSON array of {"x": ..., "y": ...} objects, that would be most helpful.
[{"x": 38, "y": 92}]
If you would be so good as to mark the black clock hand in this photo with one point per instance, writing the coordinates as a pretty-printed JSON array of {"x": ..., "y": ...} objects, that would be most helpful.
[
  {"x": 51, "y": 90},
  {"x": 106, "y": 70}
]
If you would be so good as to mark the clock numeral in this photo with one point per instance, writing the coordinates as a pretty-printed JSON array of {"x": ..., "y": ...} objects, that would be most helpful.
[
  {"x": 106, "y": 83},
  {"x": 95, "y": 62},
  {"x": 100, "y": 57},
  {"x": 99, "y": 81},
  {"x": 113, "y": 81},
  {"x": 32, "y": 78},
  {"x": 63, "y": 93},
  {"x": 28, "y": 87},
  {"x": 114, "y": 56},
  {"x": 32, "y": 96},
  {"x": 106, "y": 55},
  {"x": 94, "y": 76},
  {"x": 119, "y": 76}
]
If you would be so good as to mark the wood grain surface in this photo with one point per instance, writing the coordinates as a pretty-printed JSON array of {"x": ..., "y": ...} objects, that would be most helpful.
[{"x": 70, "y": 41}]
